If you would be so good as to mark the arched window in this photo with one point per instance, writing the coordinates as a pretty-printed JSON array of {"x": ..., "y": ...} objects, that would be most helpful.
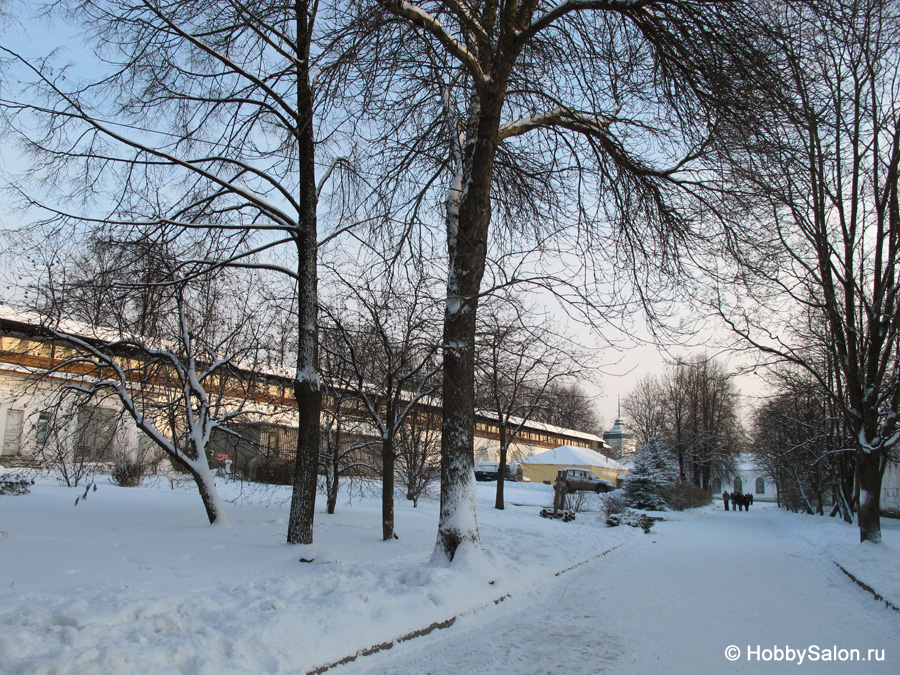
[
  {"x": 716, "y": 486},
  {"x": 738, "y": 485},
  {"x": 760, "y": 486}
]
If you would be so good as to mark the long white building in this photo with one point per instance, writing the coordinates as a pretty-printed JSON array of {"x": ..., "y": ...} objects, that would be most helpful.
[{"x": 98, "y": 432}]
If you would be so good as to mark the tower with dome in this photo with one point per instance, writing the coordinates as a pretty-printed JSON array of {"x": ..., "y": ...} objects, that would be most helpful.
[{"x": 620, "y": 439}]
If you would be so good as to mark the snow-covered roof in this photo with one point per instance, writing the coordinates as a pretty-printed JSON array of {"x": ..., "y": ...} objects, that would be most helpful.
[
  {"x": 569, "y": 455},
  {"x": 746, "y": 462},
  {"x": 75, "y": 328},
  {"x": 86, "y": 331},
  {"x": 540, "y": 426}
]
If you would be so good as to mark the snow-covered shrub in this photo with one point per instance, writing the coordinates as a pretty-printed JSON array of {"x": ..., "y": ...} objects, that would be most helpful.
[
  {"x": 127, "y": 473},
  {"x": 580, "y": 501},
  {"x": 681, "y": 496},
  {"x": 632, "y": 519},
  {"x": 652, "y": 472},
  {"x": 612, "y": 503},
  {"x": 11, "y": 484}
]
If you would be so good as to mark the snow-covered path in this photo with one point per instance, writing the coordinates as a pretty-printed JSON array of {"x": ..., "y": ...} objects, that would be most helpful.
[{"x": 672, "y": 603}]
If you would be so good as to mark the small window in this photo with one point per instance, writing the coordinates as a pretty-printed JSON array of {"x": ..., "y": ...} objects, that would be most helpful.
[
  {"x": 760, "y": 486},
  {"x": 738, "y": 485},
  {"x": 42, "y": 428},
  {"x": 95, "y": 434},
  {"x": 717, "y": 486}
]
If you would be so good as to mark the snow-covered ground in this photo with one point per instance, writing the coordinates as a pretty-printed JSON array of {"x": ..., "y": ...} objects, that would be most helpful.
[
  {"x": 133, "y": 580},
  {"x": 673, "y": 603}
]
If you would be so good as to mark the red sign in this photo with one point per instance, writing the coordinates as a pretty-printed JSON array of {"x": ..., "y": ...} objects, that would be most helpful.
[{"x": 222, "y": 456}]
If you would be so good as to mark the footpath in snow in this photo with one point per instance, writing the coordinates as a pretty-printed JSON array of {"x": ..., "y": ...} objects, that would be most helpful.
[
  {"x": 674, "y": 602},
  {"x": 133, "y": 580}
]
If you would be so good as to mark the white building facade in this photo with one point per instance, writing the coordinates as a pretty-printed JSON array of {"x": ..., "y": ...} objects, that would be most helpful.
[{"x": 747, "y": 480}]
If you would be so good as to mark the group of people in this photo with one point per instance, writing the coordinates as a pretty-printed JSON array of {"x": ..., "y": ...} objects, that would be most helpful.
[{"x": 738, "y": 501}]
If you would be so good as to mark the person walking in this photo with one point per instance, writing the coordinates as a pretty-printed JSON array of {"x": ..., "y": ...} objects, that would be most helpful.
[{"x": 725, "y": 497}]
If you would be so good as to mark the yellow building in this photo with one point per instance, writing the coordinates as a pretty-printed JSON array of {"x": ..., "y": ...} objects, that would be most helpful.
[{"x": 543, "y": 467}]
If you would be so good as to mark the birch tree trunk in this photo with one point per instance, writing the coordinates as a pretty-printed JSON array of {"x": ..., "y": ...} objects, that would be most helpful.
[{"x": 466, "y": 248}]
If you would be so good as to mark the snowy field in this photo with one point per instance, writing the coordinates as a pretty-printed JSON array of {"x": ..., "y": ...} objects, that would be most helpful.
[{"x": 133, "y": 580}]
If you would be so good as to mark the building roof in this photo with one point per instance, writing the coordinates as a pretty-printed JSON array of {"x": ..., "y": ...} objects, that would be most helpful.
[
  {"x": 568, "y": 455},
  {"x": 541, "y": 426}
]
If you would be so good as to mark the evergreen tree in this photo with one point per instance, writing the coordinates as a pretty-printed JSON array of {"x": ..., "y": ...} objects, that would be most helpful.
[{"x": 652, "y": 471}]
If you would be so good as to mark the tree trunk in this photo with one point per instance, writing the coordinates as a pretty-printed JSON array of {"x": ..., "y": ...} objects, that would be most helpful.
[
  {"x": 870, "y": 473},
  {"x": 332, "y": 479},
  {"x": 467, "y": 250},
  {"x": 307, "y": 385},
  {"x": 306, "y": 466},
  {"x": 387, "y": 487},
  {"x": 457, "y": 526},
  {"x": 207, "y": 488},
  {"x": 332, "y": 473},
  {"x": 501, "y": 470}
]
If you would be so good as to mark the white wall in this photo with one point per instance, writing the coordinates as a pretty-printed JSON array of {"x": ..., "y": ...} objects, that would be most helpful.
[
  {"x": 890, "y": 489},
  {"x": 748, "y": 476}
]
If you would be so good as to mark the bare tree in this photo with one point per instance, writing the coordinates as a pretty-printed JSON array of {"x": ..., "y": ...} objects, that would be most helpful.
[
  {"x": 692, "y": 410},
  {"x": 518, "y": 359},
  {"x": 704, "y": 399},
  {"x": 800, "y": 445},
  {"x": 645, "y": 407},
  {"x": 78, "y": 434},
  {"x": 827, "y": 249},
  {"x": 387, "y": 351},
  {"x": 568, "y": 405},
  {"x": 175, "y": 388},
  {"x": 105, "y": 281},
  {"x": 542, "y": 125},
  {"x": 418, "y": 447},
  {"x": 197, "y": 117},
  {"x": 343, "y": 446}
]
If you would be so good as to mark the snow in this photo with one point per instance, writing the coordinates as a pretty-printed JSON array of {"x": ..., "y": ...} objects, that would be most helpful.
[
  {"x": 132, "y": 580},
  {"x": 569, "y": 455},
  {"x": 513, "y": 420},
  {"x": 876, "y": 565},
  {"x": 672, "y": 602}
]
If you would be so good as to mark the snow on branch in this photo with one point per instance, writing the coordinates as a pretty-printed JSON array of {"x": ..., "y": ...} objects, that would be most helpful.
[
  {"x": 417, "y": 16},
  {"x": 569, "y": 6},
  {"x": 591, "y": 124},
  {"x": 598, "y": 128}
]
